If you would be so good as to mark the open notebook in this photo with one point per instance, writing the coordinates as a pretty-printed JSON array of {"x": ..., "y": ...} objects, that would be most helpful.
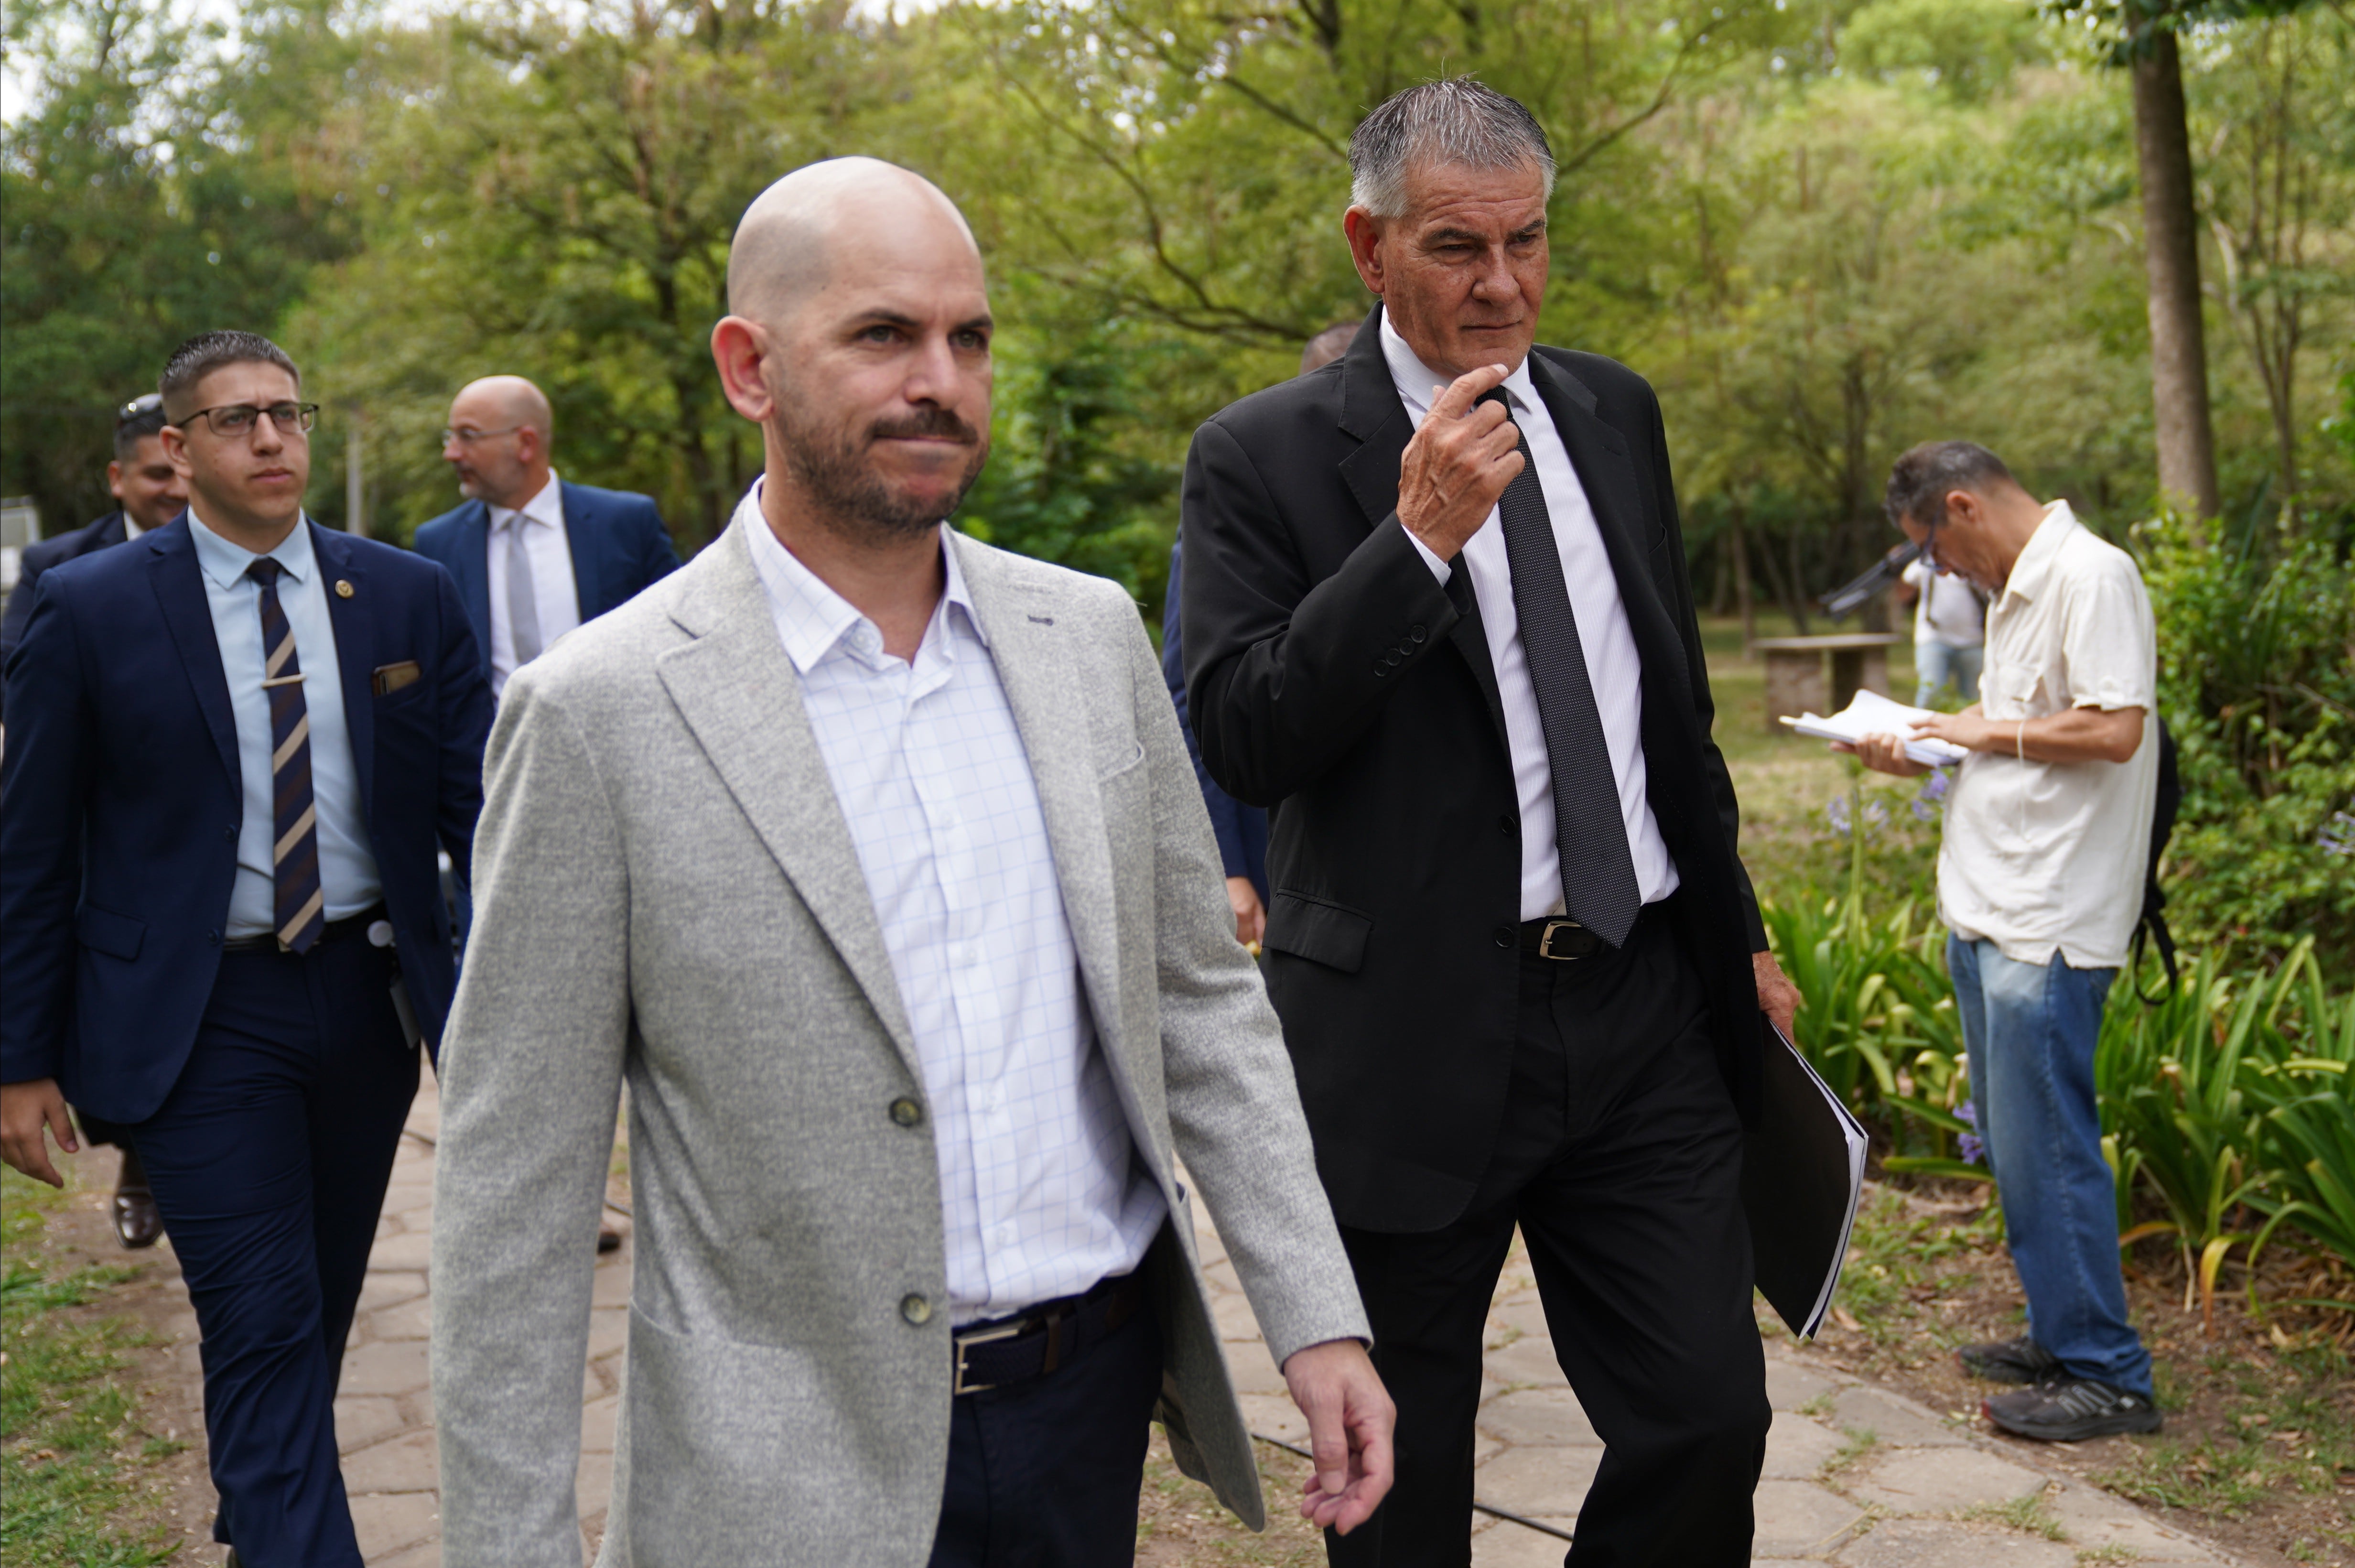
[
  {"x": 1873, "y": 714},
  {"x": 1802, "y": 1173}
]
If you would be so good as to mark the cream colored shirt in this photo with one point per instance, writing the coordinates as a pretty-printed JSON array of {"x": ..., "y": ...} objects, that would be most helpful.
[{"x": 2042, "y": 858}]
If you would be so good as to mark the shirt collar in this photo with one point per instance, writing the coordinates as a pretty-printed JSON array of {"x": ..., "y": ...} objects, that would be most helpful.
[
  {"x": 2035, "y": 562},
  {"x": 811, "y": 618},
  {"x": 226, "y": 562},
  {"x": 547, "y": 506},
  {"x": 1414, "y": 380}
]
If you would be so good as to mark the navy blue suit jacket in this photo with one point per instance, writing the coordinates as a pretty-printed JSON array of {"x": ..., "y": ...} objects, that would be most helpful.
[
  {"x": 38, "y": 557},
  {"x": 1242, "y": 829},
  {"x": 120, "y": 801},
  {"x": 618, "y": 542}
]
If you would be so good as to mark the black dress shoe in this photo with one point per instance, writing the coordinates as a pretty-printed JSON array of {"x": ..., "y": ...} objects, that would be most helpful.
[
  {"x": 136, "y": 1222},
  {"x": 609, "y": 1240},
  {"x": 2020, "y": 1360}
]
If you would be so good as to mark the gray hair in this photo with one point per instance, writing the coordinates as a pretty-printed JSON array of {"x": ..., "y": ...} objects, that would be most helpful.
[
  {"x": 1459, "y": 121},
  {"x": 1922, "y": 479}
]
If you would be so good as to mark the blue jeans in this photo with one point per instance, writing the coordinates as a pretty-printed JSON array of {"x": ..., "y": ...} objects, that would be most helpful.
[
  {"x": 2031, "y": 1030},
  {"x": 1944, "y": 664}
]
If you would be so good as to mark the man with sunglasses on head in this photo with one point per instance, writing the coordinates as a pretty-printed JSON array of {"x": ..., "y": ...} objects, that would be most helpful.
[
  {"x": 150, "y": 493},
  {"x": 236, "y": 745},
  {"x": 534, "y": 555}
]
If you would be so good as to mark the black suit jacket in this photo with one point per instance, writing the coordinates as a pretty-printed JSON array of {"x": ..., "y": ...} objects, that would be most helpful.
[
  {"x": 1334, "y": 679},
  {"x": 38, "y": 557}
]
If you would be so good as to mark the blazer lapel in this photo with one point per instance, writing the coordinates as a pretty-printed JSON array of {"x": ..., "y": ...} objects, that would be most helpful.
[
  {"x": 1372, "y": 411},
  {"x": 743, "y": 699},
  {"x": 180, "y": 593},
  {"x": 581, "y": 542},
  {"x": 1606, "y": 471},
  {"x": 353, "y": 617},
  {"x": 1042, "y": 686},
  {"x": 472, "y": 566}
]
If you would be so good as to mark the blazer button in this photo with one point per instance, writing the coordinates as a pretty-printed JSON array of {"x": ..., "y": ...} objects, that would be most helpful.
[
  {"x": 230, "y": 834},
  {"x": 1505, "y": 824},
  {"x": 1505, "y": 936},
  {"x": 213, "y": 937},
  {"x": 906, "y": 1112},
  {"x": 916, "y": 1310}
]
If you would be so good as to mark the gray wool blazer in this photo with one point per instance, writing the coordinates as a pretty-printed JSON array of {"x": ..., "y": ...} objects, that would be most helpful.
[{"x": 665, "y": 892}]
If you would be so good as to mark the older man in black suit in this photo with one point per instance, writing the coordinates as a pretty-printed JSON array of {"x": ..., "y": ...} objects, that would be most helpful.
[{"x": 1437, "y": 616}]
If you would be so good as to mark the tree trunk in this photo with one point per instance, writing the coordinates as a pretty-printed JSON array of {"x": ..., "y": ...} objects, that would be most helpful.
[
  {"x": 1748, "y": 611},
  {"x": 2179, "y": 354}
]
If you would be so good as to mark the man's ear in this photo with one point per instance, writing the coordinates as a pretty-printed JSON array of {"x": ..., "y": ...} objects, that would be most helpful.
[
  {"x": 1365, "y": 235},
  {"x": 739, "y": 349},
  {"x": 175, "y": 449},
  {"x": 114, "y": 480}
]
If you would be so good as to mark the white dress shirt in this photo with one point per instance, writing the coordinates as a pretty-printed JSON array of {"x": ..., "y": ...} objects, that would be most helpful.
[
  {"x": 1613, "y": 665},
  {"x": 2045, "y": 857},
  {"x": 1039, "y": 1196},
  {"x": 347, "y": 869},
  {"x": 549, "y": 549}
]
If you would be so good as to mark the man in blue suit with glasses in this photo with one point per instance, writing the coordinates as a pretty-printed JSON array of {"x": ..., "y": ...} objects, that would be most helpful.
[
  {"x": 236, "y": 744},
  {"x": 534, "y": 554}
]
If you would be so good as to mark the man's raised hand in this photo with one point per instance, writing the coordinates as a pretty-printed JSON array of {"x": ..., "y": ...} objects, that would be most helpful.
[{"x": 1458, "y": 464}]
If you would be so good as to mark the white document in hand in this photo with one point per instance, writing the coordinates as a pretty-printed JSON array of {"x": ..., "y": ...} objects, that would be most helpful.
[{"x": 1872, "y": 714}]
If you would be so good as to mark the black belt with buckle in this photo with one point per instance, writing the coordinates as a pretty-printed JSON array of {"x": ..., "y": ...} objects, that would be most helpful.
[
  {"x": 1561, "y": 938},
  {"x": 351, "y": 925},
  {"x": 1048, "y": 1336}
]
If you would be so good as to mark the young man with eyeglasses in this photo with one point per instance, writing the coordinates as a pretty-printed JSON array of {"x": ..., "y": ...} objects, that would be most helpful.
[
  {"x": 2041, "y": 875},
  {"x": 237, "y": 744},
  {"x": 534, "y": 555}
]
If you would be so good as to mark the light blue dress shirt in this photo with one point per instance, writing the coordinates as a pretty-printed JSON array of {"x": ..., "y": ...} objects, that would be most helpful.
[{"x": 347, "y": 870}]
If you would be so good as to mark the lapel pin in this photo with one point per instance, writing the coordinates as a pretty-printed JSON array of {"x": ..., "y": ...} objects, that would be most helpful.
[{"x": 343, "y": 588}]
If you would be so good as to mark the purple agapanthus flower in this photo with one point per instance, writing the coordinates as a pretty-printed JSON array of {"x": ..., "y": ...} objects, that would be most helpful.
[
  {"x": 1930, "y": 800},
  {"x": 1836, "y": 814},
  {"x": 1974, "y": 1146}
]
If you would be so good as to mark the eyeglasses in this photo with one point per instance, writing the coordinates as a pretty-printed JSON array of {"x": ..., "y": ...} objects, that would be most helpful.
[
  {"x": 469, "y": 436},
  {"x": 236, "y": 419}
]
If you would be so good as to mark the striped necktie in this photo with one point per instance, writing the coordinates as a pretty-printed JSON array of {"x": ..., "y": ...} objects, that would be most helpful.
[
  {"x": 301, "y": 904},
  {"x": 1598, "y": 870}
]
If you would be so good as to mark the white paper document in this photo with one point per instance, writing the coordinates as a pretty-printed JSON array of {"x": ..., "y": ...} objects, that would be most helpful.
[{"x": 1873, "y": 714}]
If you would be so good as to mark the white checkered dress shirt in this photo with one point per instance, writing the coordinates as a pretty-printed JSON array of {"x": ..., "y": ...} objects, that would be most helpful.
[{"x": 1039, "y": 1196}]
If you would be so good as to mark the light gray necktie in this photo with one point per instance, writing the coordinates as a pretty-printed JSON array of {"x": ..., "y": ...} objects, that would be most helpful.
[{"x": 523, "y": 603}]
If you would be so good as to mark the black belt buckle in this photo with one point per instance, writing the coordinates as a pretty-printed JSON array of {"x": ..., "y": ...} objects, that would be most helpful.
[
  {"x": 981, "y": 1336},
  {"x": 1579, "y": 942}
]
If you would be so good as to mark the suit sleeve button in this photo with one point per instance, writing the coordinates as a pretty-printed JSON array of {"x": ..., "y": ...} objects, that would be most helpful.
[
  {"x": 1380, "y": 669},
  {"x": 1416, "y": 632},
  {"x": 1505, "y": 936},
  {"x": 906, "y": 1112},
  {"x": 916, "y": 1310}
]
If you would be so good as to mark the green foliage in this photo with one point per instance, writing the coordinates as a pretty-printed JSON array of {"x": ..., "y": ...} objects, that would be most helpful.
[
  {"x": 1964, "y": 48},
  {"x": 2257, "y": 683},
  {"x": 70, "y": 1440},
  {"x": 2227, "y": 1109}
]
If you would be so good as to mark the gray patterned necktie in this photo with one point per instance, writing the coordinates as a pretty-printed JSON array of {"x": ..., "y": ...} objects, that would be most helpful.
[
  {"x": 1598, "y": 873},
  {"x": 523, "y": 602}
]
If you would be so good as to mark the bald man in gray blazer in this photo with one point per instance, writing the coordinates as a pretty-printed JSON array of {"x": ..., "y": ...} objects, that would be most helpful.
[{"x": 873, "y": 859}]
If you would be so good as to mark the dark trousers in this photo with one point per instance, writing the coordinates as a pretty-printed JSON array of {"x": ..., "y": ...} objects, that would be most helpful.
[
  {"x": 1620, "y": 1160},
  {"x": 1046, "y": 1474},
  {"x": 269, "y": 1160}
]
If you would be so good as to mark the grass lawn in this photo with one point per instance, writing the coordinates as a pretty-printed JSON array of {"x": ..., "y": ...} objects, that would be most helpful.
[{"x": 73, "y": 1453}]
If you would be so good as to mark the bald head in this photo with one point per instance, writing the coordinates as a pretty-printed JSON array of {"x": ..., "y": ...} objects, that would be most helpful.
[
  {"x": 498, "y": 440},
  {"x": 822, "y": 221}
]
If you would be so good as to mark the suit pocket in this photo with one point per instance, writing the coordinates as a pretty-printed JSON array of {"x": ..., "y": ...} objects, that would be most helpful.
[
  {"x": 731, "y": 1447},
  {"x": 116, "y": 935},
  {"x": 1321, "y": 933}
]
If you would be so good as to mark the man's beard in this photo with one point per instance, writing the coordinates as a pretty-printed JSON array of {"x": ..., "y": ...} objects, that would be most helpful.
[{"x": 838, "y": 477}]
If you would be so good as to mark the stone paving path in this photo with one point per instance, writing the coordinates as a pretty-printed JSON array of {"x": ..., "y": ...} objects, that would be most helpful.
[{"x": 1855, "y": 1474}]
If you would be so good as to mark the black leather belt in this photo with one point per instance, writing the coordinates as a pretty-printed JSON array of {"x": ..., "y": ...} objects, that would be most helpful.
[
  {"x": 336, "y": 931},
  {"x": 1561, "y": 938},
  {"x": 1050, "y": 1334}
]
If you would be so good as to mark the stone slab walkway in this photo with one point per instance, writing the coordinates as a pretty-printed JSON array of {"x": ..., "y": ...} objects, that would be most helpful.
[{"x": 1856, "y": 1475}]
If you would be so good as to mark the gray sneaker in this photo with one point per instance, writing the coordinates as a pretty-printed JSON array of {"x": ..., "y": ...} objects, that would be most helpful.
[
  {"x": 2071, "y": 1411},
  {"x": 2020, "y": 1360}
]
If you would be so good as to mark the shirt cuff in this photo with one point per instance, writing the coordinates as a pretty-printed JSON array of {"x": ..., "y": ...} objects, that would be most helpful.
[{"x": 1439, "y": 568}]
